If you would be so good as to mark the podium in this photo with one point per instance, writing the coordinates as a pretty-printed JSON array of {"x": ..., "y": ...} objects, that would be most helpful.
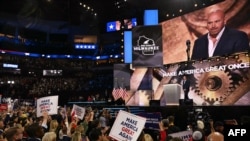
[
  {"x": 172, "y": 94},
  {"x": 184, "y": 102},
  {"x": 154, "y": 102}
]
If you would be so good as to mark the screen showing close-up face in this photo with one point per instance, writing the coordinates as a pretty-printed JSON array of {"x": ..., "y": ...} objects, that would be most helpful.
[
  {"x": 190, "y": 26},
  {"x": 215, "y": 80}
]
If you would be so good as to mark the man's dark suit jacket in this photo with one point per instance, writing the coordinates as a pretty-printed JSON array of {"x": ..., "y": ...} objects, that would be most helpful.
[
  {"x": 231, "y": 41},
  {"x": 66, "y": 138},
  {"x": 33, "y": 139},
  {"x": 186, "y": 85}
]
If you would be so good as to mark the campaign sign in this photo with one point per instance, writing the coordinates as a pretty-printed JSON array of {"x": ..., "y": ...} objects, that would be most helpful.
[
  {"x": 47, "y": 104},
  {"x": 3, "y": 107},
  {"x": 127, "y": 126},
  {"x": 184, "y": 135},
  {"x": 78, "y": 111},
  {"x": 153, "y": 120}
]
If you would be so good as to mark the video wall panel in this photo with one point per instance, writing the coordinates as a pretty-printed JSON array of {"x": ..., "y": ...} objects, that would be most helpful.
[
  {"x": 219, "y": 80},
  {"x": 190, "y": 26}
]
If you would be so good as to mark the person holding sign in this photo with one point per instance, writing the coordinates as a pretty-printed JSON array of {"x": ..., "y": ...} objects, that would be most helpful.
[
  {"x": 127, "y": 126},
  {"x": 163, "y": 125}
]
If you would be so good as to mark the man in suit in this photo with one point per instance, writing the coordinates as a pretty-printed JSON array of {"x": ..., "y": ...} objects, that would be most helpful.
[
  {"x": 220, "y": 40},
  {"x": 185, "y": 87}
]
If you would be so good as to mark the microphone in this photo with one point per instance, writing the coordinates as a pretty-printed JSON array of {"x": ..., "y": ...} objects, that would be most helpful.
[{"x": 188, "y": 43}]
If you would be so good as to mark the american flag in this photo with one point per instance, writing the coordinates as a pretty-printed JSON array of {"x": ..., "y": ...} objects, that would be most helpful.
[
  {"x": 119, "y": 93},
  {"x": 123, "y": 93},
  {"x": 116, "y": 93},
  {"x": 111, "y": 26}
]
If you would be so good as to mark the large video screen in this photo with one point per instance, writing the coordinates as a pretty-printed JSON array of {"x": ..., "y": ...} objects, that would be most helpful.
[
  {"x": 118, "y": 25},
  {"x": 220, "y": 80},
  {"x": 190, "y": 26}
]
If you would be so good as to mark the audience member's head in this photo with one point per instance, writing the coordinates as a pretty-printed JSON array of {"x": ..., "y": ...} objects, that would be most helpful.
[
  {"x": 53, "y": 125},
  {"x": 219, "y": 126},
  {"x": 165, "y": 123},
  {"x": 96, "y": 134},
  {"x": 200, "y": 124},
  {"x": 49, "y": 136},
  {"x": 79, "y": 128},
  {"x": 198, "y": 135},
  {"x": 245, "y": 120},
  {"x": 14, "y": 134},
  {"x": 95, "y": 123},
  {"x": 141, "y": 136},
  {"x": 76, "y": 136},
  {"x": 171, "y": 119},
  {"x": 215, "y": 136},
  {"x": 35, "y": 131},
  {"x": 148, "y": 137}
]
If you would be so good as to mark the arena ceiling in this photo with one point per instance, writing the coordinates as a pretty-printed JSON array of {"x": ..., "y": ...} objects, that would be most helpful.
[{"x": 93, "y": 14}]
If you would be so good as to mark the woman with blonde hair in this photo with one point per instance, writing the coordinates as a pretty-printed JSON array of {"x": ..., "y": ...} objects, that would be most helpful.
[
  {"x": 148, "y": 137},
  {"x": 76, "y": 136},
  {"x": 79, "y": 128},
  {"x": 53, "y": 126},
  {"x": 49, "y": 136}
]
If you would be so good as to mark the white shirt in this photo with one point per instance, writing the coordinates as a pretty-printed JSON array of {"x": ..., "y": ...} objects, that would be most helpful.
[{"x": 212, "y": 45}]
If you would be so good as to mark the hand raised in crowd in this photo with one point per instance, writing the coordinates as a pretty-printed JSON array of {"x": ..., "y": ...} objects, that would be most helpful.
[
  {"x": 45, "y": 114},
  {"x": 161, "y": 126}
]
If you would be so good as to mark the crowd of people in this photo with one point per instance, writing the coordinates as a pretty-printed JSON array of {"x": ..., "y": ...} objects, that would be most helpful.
[
  {"x": 43, "y": 63},
  {"x": 22, "y": 124},
  {"x": 70, "y": 89},
  {"x": 79, "y": 78}
]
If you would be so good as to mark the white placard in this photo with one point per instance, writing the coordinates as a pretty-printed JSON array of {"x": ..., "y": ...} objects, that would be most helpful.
[
  {"x": 184, "y": 135},
  {"x": 127, "y": 126},
  {"x": 49, "y": 104},
  {"x": 78, "y": 111}
]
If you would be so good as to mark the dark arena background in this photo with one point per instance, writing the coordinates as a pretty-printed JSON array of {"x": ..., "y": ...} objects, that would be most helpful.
[{"x": 77, "y": 50}]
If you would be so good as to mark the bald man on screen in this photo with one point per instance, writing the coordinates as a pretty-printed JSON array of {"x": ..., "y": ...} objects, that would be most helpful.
[{"x": 220, "y": 39}]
